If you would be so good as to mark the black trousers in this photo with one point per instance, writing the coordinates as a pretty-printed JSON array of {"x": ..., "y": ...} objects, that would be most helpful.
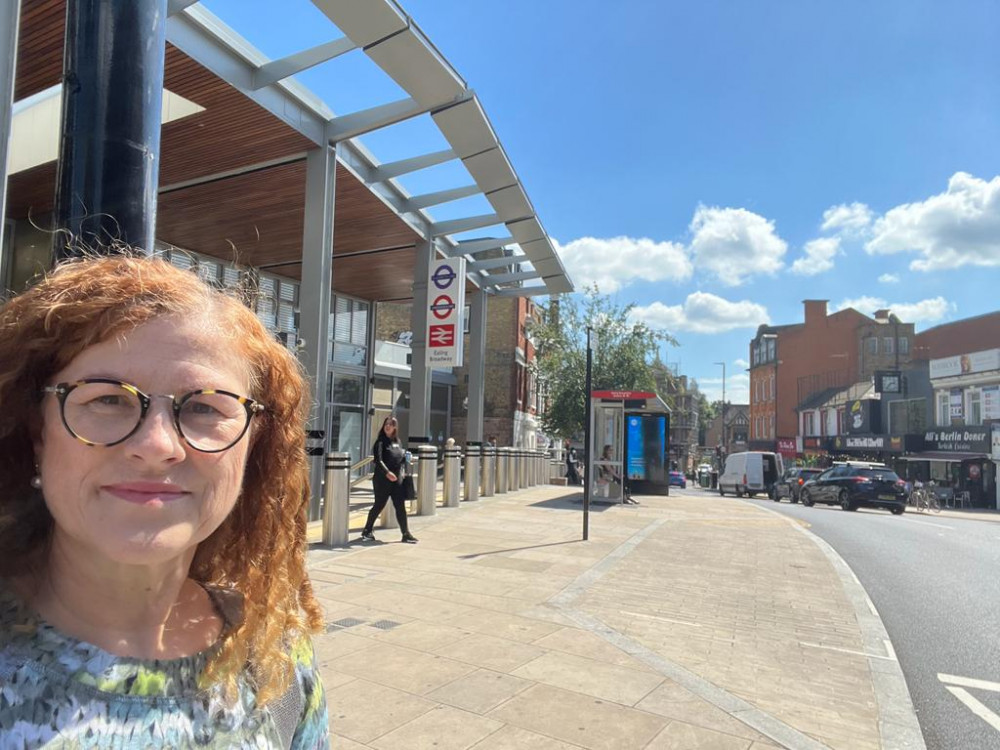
[{"x": 384, "y": 491}]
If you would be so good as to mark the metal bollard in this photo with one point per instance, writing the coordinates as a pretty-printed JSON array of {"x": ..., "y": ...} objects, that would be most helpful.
[
  {"x": 555, "y": 469},
  {"x": 452, "y": 476},
  {"x": 489, "y": 471},
  {"x": 336, "y": 499},
  {"x": 534, "y": 468},
  {"x": 515, "y": 469},
  {"x": 523, "y": 478},
  {"x": 472, "y": 479},
  {"x": 529, "y": 476},
  {"x": 503, "y": 467},
  {"x": 427, "y": 479}
]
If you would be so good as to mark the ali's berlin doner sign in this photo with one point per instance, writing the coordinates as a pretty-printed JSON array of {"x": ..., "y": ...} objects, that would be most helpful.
[{"x": 445, "y": 304}]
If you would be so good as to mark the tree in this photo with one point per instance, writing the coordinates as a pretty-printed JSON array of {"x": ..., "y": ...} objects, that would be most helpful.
[{"x": 621, "y": 357}]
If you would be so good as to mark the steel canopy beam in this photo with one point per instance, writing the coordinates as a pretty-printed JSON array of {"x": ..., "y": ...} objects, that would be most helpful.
[
  {"x": 442, "y": 196},
  {"x": 455, "y": 226},
  {"x": 389, "y": 170},
  {"x": 473, "y": 247},
  {"x": 278, "y": 70},
  {"x": 209, "y": 42},
  {"x": 524, "y": 291},
  {"x": 507, "y": 260},
  {"x": 509, "y": 278},
  {"x": 176, "y": 6}
]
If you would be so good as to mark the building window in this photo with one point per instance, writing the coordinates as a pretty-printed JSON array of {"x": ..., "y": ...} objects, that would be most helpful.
[
  {"x": 887, "y": 344},
  {"x": 974, "y": 407},
  {"x": 943, "y": 408},
  {"x": 873, "y": 345},
  {"x": 772, "y": 425},
  {"x": 808, "y": 423},
  {"x": 770, "y": 349},
  {"x": 772, "y": 387},
  {"x": 904, "y": 345},
  {"x": 348, "y": 331}
]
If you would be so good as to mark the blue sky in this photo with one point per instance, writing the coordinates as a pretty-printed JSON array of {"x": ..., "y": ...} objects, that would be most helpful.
[{"x": 717, "y": 162}]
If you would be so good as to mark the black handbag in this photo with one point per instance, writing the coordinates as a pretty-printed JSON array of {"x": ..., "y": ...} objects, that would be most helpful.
[{"x": 409, "y": 490}]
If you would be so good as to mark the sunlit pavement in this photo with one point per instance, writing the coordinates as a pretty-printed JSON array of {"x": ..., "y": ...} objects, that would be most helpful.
[{"x": 686, "y": 621}]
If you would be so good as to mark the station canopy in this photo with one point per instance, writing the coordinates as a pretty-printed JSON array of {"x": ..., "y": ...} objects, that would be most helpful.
[{"x": 238, "y": 125}]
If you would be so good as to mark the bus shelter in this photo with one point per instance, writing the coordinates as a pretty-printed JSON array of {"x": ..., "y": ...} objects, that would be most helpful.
[{"x": 630, "y": 444}]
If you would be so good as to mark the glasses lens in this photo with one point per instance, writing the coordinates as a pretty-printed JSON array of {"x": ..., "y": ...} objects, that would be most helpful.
[
  {"x": 101, "y": 413},
  {"x": 213, "y": 421}
]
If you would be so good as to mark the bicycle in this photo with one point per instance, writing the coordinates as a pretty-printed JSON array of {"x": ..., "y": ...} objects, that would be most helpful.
[{"x": 922, "y": 500}]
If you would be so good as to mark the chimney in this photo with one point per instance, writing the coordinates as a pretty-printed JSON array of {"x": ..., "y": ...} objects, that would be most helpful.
[
  {"x": 882, "y": 315},
  {"x": 815, "y": 311}
]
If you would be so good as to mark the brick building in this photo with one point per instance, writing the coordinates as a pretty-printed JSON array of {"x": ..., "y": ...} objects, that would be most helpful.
[
  {"x": 737, "y": 432},
  {"x": 791, "y": 364},
  {"x": 511, "y": 401}
]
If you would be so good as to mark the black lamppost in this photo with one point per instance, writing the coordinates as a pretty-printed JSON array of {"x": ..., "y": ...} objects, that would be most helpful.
[
  {"x": 725, "y": 435},
  {"x": 589, "y": 464}
]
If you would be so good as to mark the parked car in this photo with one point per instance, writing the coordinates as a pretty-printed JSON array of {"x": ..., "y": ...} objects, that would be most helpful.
[
  {"x": 677, "y": 480},
  {"x": 790, "y": 485},
  {"x": 750, "y": 472},
  {"x": 853, "y": 486}
]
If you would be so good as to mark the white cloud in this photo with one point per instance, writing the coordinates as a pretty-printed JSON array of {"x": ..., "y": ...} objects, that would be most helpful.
[
  {"x": 741, "y": 363},
  {"x": 889, "y": 278},
  {"x": 702, "y": 313},
  {"x": 818, "y": 258},
  {"x": 735, "y": 244},
  {"x": 737, "y": 388},
  {"x": 958, "y": 227},
  {"x": 850, "y": 220},
  {"x": 925, "y": 311},
  {"x": 616, "y": 262}
]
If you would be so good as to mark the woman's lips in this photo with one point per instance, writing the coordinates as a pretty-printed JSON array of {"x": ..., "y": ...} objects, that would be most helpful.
[{"x": 142, "y": 493}]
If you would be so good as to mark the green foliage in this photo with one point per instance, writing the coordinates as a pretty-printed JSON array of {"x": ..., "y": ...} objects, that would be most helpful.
[{"x": 621, "y": 359}]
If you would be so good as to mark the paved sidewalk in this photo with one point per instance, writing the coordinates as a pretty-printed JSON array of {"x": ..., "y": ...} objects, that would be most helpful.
[{"x": 686, "y": 622}]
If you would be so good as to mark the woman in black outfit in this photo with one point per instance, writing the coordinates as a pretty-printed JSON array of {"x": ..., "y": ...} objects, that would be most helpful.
[{"x": 390, "y": 469}]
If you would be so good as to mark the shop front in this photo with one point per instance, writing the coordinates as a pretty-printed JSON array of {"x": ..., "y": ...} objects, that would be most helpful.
[{"x": 958, "y": 458}]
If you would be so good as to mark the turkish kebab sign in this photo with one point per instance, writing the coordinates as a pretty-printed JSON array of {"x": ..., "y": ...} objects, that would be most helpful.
[{"x": 446, "y": 304}]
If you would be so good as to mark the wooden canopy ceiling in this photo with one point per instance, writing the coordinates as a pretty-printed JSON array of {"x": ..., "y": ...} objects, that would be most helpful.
[{"x": 255, "y": 216}]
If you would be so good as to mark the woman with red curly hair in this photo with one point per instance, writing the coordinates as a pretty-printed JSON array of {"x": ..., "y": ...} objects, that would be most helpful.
[{"x": 153, "y": 499}]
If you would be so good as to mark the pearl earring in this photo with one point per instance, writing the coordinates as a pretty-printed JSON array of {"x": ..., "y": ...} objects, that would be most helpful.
[{"x": 36, "y": 482}]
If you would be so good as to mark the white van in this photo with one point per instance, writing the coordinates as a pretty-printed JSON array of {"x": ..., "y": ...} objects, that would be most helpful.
[{"x": 751, "y": 472}]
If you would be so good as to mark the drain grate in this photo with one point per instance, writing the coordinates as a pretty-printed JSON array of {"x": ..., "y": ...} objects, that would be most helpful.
[
  {"x": 384, "y": 624},
  {"x": 346, "y": 622}
]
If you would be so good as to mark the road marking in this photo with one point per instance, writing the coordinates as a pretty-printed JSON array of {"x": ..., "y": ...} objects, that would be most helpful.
[
  {"x": 889, "y": 649},
  {"x": 929, "y": 523},
  {"x": 950, "y": 679},
  {"x": 850, "y": 651},
  {"x": 656, "y": 617},
  {"x": 975, "y": 706}
]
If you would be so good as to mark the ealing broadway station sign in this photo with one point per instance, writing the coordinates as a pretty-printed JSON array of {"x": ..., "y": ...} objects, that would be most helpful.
[{"x": 445, "y": 304}]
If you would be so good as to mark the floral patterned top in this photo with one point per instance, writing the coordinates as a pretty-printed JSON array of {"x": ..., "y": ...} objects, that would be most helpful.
[{"x": 60, "y": 692}]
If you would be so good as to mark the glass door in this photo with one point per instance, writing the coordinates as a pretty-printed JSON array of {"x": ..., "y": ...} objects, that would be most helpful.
[{"x": 608, "y": 437}]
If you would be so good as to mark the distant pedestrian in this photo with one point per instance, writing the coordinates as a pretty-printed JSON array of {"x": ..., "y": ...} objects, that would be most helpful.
[
  {"x": 387, "y": 482},
  {"x": 492, "y": 442},
  {"x": 572, "y": 476}
]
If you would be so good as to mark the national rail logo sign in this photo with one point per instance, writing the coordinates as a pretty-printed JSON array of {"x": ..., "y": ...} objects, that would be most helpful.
[
  {"x": 445, "y": 303},
  {"x": 441, "y": 336}
]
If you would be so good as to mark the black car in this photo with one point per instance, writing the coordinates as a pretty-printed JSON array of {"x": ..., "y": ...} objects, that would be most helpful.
[
  {"x": 852, "y": 487},
  {"x": 791, "y": 483}
]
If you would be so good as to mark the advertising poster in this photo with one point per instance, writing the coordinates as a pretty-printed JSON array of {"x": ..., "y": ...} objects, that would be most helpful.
[
  {"x": 635, "y": 458},
  {"x": 646, "y": 448},
  {"x": 956, "y": 403},
  {"x": 991, "y": 402}
]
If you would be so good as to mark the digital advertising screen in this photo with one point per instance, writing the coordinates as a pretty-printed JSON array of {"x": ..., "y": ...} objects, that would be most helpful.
[{"x": 646, "y": 447}]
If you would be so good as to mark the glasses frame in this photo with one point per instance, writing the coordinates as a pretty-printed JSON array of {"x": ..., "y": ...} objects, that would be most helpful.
[{"x": 62, "y": 391}]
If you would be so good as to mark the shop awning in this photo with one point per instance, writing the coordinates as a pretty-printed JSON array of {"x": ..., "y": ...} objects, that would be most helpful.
[{"x": 945, "y": 456}]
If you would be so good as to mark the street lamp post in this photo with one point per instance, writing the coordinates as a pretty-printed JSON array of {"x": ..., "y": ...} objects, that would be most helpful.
[{"x": 725, "y": 437}]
